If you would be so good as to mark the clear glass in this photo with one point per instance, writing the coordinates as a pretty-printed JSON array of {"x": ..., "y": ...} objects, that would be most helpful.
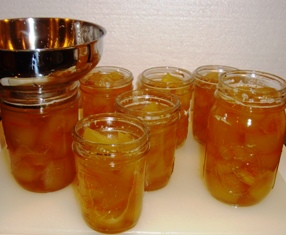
[
  {"x": 177, "y": 81},
  {"x": 160, "y": 111},
  {"x": 206, "y": 79},
  {"x": 245, "y": 137},
  {"x": 38, "y": 127},
  {"x": 101, "y": 86},
  {"x": 110, "y": 164}
]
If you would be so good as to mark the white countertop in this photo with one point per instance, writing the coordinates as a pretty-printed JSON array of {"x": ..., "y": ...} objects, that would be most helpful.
[{"x": 183, "y": 207}]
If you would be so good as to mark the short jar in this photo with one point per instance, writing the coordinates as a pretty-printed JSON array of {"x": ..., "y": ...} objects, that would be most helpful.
[
  {"x": 100, "y": 87},
  {"x": 205, "y": 83},
  {"x": 110, "y": 151},
  {"x": 160, "y": 111},
  {"x": 177, "y": 81},
  {"x": 246, "y": 129},
  {"x": 38, "y": 123}
]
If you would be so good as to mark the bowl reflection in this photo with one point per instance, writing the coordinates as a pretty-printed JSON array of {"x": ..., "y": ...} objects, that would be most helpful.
[{"x": 39, "y": 51}]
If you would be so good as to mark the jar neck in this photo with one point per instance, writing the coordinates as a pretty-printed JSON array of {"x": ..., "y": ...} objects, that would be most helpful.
[
  {"x": 38, "y": 96},
  {"x": 101, "y": 78},
  {"x": 207, "y": 76},
  {"x": 252, "y": 89},
  {"x": 132, "y": 102},
  {"x": 152, "y": 78},
  {"x": 112, "y": 123}
]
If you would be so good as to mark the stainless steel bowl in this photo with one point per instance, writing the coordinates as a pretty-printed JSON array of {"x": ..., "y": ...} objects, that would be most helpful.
[{"x": 39, "y": 51}]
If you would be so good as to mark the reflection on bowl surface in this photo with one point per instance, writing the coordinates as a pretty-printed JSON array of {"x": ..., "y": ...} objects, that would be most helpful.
[{"x": 48, "y": 50}]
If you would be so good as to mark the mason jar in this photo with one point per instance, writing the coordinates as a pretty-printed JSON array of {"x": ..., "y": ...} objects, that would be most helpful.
[
  {"x": 206, "y": 79},
  {"x": 177, "y": 81},
  {"x": 38, "y": 123},
  {"x": 160, "y": 111},
  {"x": 110, "y": 152},
  {"x": 100, "y": 87},
  {"x": 246, "y": 129}
]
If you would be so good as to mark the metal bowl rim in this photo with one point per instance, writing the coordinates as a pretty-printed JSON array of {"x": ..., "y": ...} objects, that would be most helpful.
[{"x": 101, "y": 28}]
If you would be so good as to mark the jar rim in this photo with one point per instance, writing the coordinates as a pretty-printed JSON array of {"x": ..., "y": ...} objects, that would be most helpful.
[
  {"x": 144, "y": 95},
  {"x": 201, "y": 72},
  {"x": 149, "y": 74},
  {"x": 38, "y": 96},
  {"x": 127, "y": 77},
  {"x": 254, "y": 80},
  {"x": 109, "y": 118}
]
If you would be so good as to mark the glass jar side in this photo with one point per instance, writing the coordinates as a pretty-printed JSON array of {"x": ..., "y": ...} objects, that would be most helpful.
[
  {"x": 38, "y": 137},
  {"x": 101, "y": 86},
  {"x": 110, "y": 170},
  {"x": 205, "y": 83},
  {"x": 160, "y": 111},
  {"x": 245, "y": 137},
  {"x": 177, "y": 81}
]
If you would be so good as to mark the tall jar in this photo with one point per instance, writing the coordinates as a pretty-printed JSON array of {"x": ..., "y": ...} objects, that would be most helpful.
[
  {"x": 205, "y": 83},
  {"x": 177, "y": 81},
  {"x": 100, "y": 87},
  {"x": 38, "y": 123},
  {"x": 246, "y": 129},
  {"x": 110, "y": 151},
  {"x": 160, "y": 111}
]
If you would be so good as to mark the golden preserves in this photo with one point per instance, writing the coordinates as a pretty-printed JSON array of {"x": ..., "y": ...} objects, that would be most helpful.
[
  {"x": 101, "y": 86},
  {"x": 206, "y": 79},
  {"x": 176, "y": 81},
  {"x": 160, "y": 111},
  {"x": 246, "y": 129},
  {"x": 110, "y": 161}
]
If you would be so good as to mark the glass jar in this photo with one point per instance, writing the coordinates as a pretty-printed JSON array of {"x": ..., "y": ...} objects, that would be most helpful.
[
  {"x": 177, "y": 81},
  {"x": 110, "y": 160},
  {"x": 206, "y": 79},
  {"x": 160, "y": 111},
  {"x": 246, "y": 130},
  {"x": 101, "y": 86},
  {"x": 38, "y": 123}
]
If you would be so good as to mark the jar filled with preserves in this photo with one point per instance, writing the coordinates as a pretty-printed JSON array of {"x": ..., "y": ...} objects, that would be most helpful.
[
  {"x": 246, "y": 129},
  {"x": 206, "y": 79},
  {"x": 177, "y": 81},
  {"x": 110, "y": 151},
  {"x": 160, "y": 111},
  {"x": 38, "y": 123},
  {"x": 100, "y": 87}
]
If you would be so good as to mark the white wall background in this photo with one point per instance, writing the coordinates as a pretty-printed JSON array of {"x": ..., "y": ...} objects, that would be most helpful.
[{"x": 248, "y": 34}]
